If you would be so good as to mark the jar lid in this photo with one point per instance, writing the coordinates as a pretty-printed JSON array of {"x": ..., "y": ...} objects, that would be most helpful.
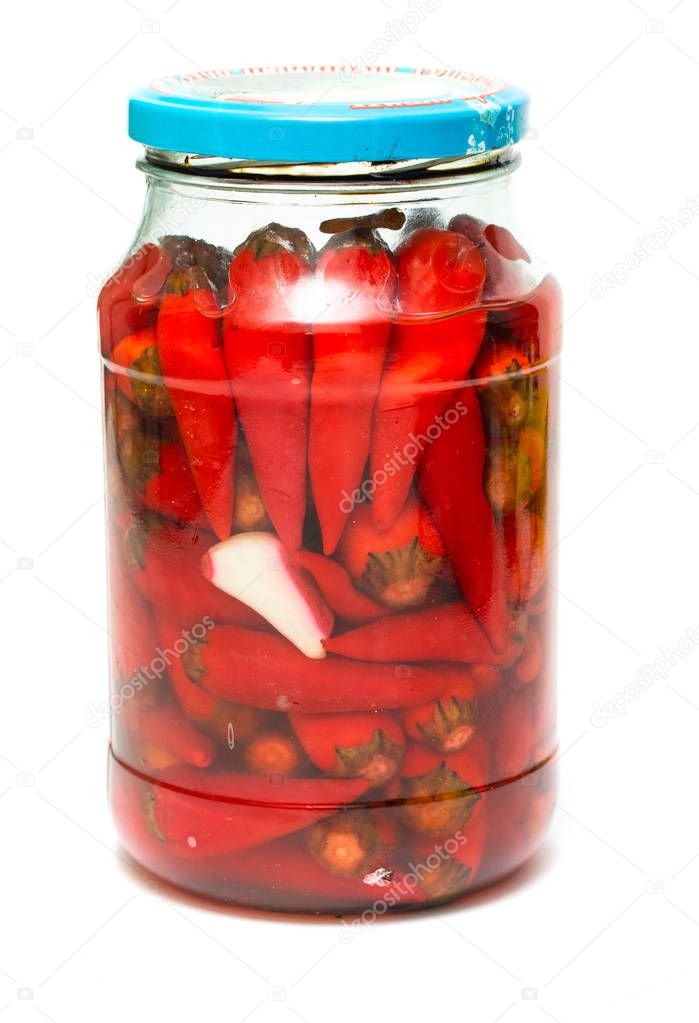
[{"x": 328, "y": 114}]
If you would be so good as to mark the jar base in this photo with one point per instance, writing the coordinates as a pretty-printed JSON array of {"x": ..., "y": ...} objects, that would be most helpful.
[{"x": 282, "y": 876}]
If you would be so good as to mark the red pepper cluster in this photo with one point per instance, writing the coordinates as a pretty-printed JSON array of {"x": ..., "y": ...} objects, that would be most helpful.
[{"x": 330, "y": 501}]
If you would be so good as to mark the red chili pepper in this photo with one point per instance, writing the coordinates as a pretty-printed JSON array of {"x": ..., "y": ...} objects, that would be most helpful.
[
  {"x": 197, "y": 381},
  {"x": 497, "y": 359},
  {"x": 132, "y": 628},
  {"x": 348, "y": 844},
  {"x": 197, "y": 816},
  {"x": 535, "y": 324},
  {"x": 451, "y": 479},
  {"x": 529, "y": 664},
  {"x": 515, "y": 470},
  {"x": 268, "y": 354},
  {"x": 152, "y": 460},
  {"x": 295, "y": 876},
  {"x": 461, "y": 862},
  {"x": 507, "y": 398},
  {"x": 225, "y": 722},
  {"x": 165, "y": 560},
  {"x": 440, "y": 792},
  {"x": 368, "y": 746},
  {"x": 356, "y": 277},
  {"x": 167, "y": 730},
  {"x": 513, "y": 733},
  {"x": 273, "y": 753},
  {"x": 338, "y": 590},
  {"x": 142, "y": 382},
  {"x": 249, "y": 512},
  {"x": 440, "y": 273},
  {"x": 119, "y": 312},
  {"x": 448, "y": 632},
  {"x": 485, "y": 677},
  {"x": 266, "y": 671},
  {"x": 449, "y": 723},
  {"x": 396, "y": 567},
  {"x": 505, "y": 279},
  {"x": 525, "y": 555},
  {"x": 471, "y": 765}
]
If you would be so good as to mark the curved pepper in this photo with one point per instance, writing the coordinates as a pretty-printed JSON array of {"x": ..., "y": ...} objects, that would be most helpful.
[
  {"x": 165, "y": 730},
  {"x": 440, "y": 274},
  {"x": 165, "y": 562},
  {"x": 268, "y": 351},
  {"x": 503, "y": 257},
  {"x": 337, "y": 589},
  {"x": 356, "y": 280},
  {"x": 225, "y": 722},
  {"x": 448, "y": 632},
  {"x": 450, "y": 477},
  {"x": 118, "y": 311},
  {"x": 239, "y": 811},
  {"x": 266, "y": 671},
  {"x": 197, "y": 382}
]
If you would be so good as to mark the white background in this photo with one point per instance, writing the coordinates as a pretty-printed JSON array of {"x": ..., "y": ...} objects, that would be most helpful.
[{"x": 604, "y": 924}]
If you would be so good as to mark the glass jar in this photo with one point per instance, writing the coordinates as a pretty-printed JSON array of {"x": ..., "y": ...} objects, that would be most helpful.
[{"x": 331, "y": 425}]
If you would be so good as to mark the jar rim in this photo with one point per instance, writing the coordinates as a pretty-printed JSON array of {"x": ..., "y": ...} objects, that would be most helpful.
[{"x": 221, "y": 173}]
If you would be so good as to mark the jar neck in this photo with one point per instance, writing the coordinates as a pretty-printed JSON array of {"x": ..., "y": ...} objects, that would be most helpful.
[{"x": 225, "y": 207}]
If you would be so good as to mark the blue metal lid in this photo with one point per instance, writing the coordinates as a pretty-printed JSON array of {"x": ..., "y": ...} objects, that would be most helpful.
[{"x": 328, "y": 114}]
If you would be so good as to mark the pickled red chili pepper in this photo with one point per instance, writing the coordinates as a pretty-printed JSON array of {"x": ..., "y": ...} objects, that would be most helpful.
[
  {"x": 166, "y": 729},
  {"x": 529, "y": 663},
  {"x": 267, "y": 348},
  {"x": 119, "y": 313},
  {"x": 304, "y": 875},
  {"x": 513, "y": 733},
  {"x": 500, "y": 251},
  {"x": 515, "y": 470},
  {"x": 249, "y": 512},
  {"x": 142, "y": 382},
  {"x": 272, "y": 753},
  {"x": 239, "y": 810},
  {"x": 197, "y": 381},
  {"x": 450, "y": 477},
  {"x": 525, "y": 536},
  {"x": 132, "y": 626},
  {"x": 165, "y": 560},
  {"x": 368, "y": 746},
  {"x": 356, "y": 280},
  {"x": 267, "y": 671},
  {"x": 347, "y": 844},
  {"x": 153, "y": 462},
  {"x": 440, "y": 274},
  {"x": 448, "y": 632},
  {"x": 534, "y": 325},
  {"x": 335, "y": 584},
  {"x": 449, "y": 723},
  {"x": 440, "y": 791},
  {"x": 396, "y": 567},
  {"x": 224, "y": 721}
]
